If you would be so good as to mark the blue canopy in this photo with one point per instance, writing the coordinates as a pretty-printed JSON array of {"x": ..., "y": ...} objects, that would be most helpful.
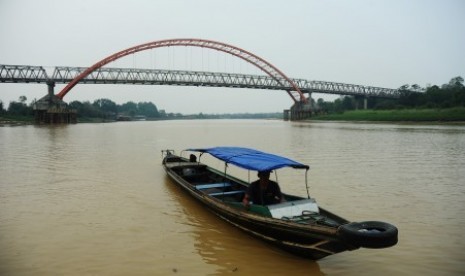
[{"x": 251, "y": 159}]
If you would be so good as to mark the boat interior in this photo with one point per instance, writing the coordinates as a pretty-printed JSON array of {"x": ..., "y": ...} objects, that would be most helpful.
[
  {"x": 210, "y": 182},
  {"x": 231, "y": 191}
]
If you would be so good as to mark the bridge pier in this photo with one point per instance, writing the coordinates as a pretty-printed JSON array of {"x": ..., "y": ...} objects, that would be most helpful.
[
  {"x": 299, "y": 111},
  {"x": 50, "y": 86},
  {"x": 52, "y": 110},
  {"x": 357, "y": 102}
]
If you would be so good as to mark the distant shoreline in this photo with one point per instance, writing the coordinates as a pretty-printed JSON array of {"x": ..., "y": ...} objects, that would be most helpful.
[
  {"x": 454, "y": 115},
  {"x": 446, "y": 115}
]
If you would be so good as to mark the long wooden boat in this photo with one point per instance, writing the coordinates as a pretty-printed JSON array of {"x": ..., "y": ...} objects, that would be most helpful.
[{"x": 297, "y": 225}]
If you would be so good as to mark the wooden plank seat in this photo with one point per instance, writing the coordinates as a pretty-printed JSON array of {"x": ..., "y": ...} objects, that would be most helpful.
[
  {"x": 181, "y": 165},
  {"x": 212, "y": 185},
  {"x": 227, "y": 193}
]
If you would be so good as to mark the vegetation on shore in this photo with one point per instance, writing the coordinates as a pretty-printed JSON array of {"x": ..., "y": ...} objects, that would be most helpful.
[
  {"x": 445, "y": 103},
  {"x": 6, "y": 119},
  {"x": 449, "y": 95},
  {"x": 435, "y": 104},
  {"x": 105, "y": 110},
  {"x": 412, "y": 115}
]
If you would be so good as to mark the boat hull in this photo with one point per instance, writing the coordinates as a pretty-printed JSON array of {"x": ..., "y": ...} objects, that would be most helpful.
[
  {"x": 314, "y": 242},
  {"x": 313, "y": 235}
]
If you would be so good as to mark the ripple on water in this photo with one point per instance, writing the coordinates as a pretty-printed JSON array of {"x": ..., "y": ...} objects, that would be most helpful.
[{"x": 93, "y": 198}]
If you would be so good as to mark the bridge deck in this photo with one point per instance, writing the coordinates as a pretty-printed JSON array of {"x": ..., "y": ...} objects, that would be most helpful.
[{"x": 105, "y": 75}]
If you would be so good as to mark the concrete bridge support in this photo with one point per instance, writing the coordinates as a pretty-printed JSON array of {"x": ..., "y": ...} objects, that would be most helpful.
[
  {"x": 51, "y": 86},
  {"x": 357, "y": 102},
  {"x": 299, "y": 111},
  {"x": 52, "y": 110}
]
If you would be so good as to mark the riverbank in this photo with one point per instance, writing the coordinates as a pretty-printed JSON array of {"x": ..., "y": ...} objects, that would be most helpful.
[
  {"x": 16, "y": 120},
  {"x": 456, "y": 114}
]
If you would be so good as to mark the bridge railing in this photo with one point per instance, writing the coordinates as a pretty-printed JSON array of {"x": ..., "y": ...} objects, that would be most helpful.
[
  {"x": 349, "y": 89},
  {"x": 107, "y": 75},
  {"x": 23, "y": 73},
  {"x": 157, "y": 76}
]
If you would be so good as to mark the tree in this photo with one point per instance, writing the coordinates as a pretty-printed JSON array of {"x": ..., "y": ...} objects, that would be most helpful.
[
  {"x": 404, "y": 87},
  {"x": 456, "y": 82},
  {"x": 2, "y": 110},
  {"x": 416, "y": 87},
  {"x": 22, "y": 99},
  {"x": 338, "y": 106},
  {"x": 148, "y": 109},
  {"x": 75, "y": 105},
  {"x": 439, "y": 97},
  {"x": 105, "y": 106},
  {"x": 86, "y": 109},
  {"x": 328, "y": 107},
  {"x": 129, "y": 108},
  {"x": 20, "y": 108},
  {"x": 410, "y": 98},
  {"x": 348, "y": 103},
  {"x": 457, "y": 90}
]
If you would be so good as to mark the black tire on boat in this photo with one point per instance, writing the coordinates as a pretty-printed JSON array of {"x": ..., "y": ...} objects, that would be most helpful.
[{"x": 369, "y": 234}]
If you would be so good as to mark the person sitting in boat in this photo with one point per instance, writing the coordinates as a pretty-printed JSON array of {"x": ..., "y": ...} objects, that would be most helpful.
[
  {"x": 263, "y": 191},
  {"x": 192, "y": 158}
]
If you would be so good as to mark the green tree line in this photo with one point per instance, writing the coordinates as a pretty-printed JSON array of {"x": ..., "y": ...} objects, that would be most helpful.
[
  {"x": 449, "y": 95},
  {"x": 101, "y": 108},
  {"x": 19, "y": 108},
  {"x": 105, "y": 108}
]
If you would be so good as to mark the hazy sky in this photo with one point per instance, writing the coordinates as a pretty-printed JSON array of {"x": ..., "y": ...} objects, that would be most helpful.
[{"x": 384, "y": 43}]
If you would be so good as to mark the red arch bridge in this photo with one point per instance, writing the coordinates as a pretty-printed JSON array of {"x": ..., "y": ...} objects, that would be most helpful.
[{"x": 273, "y": 79}]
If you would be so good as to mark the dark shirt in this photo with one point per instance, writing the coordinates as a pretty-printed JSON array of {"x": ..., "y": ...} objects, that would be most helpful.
[{"x": 270, "y": 195}]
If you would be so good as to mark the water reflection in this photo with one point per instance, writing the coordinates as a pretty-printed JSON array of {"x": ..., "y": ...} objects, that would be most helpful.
[
  {"x": 94, "y": 199},
  {"x": 230, "y": 249}
]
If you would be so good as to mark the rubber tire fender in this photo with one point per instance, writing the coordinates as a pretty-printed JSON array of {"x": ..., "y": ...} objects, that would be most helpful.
[{"x": 369, "y": 234}]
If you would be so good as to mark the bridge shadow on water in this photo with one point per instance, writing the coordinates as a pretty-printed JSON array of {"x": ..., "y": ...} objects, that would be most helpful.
[{"x": 229, "y": 248}]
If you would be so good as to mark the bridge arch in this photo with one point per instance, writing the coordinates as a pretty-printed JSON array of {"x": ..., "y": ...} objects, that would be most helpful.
[{"x": 258, "y": 62}]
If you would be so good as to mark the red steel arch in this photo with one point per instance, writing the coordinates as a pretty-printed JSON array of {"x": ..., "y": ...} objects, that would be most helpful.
[{"x": 260, "y": 63}]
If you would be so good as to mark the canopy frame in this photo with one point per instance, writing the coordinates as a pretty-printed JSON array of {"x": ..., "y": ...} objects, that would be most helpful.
[{"x": 251, "y": 159}]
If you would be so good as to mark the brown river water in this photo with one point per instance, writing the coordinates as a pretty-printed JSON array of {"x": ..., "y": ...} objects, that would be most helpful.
[{"x": 93, "y": 199}]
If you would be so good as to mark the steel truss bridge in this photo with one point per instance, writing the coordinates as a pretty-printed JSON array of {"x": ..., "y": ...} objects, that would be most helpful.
[{"x": 107, "y": 75}]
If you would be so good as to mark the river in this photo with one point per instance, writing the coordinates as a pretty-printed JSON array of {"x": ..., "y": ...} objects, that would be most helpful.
[{"x": 93, "y": 199}]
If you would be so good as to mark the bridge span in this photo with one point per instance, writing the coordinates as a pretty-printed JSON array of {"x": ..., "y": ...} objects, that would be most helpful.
[
  {"x": 274, "y": 79},
  {"x": 108, "y": 75}
]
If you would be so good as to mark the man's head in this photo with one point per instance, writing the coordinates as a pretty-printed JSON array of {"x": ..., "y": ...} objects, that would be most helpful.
[{"x": 264, "y": 174}]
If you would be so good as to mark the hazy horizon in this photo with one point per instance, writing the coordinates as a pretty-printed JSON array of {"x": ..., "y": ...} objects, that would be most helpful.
[{"x": 374, "y": 43}]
